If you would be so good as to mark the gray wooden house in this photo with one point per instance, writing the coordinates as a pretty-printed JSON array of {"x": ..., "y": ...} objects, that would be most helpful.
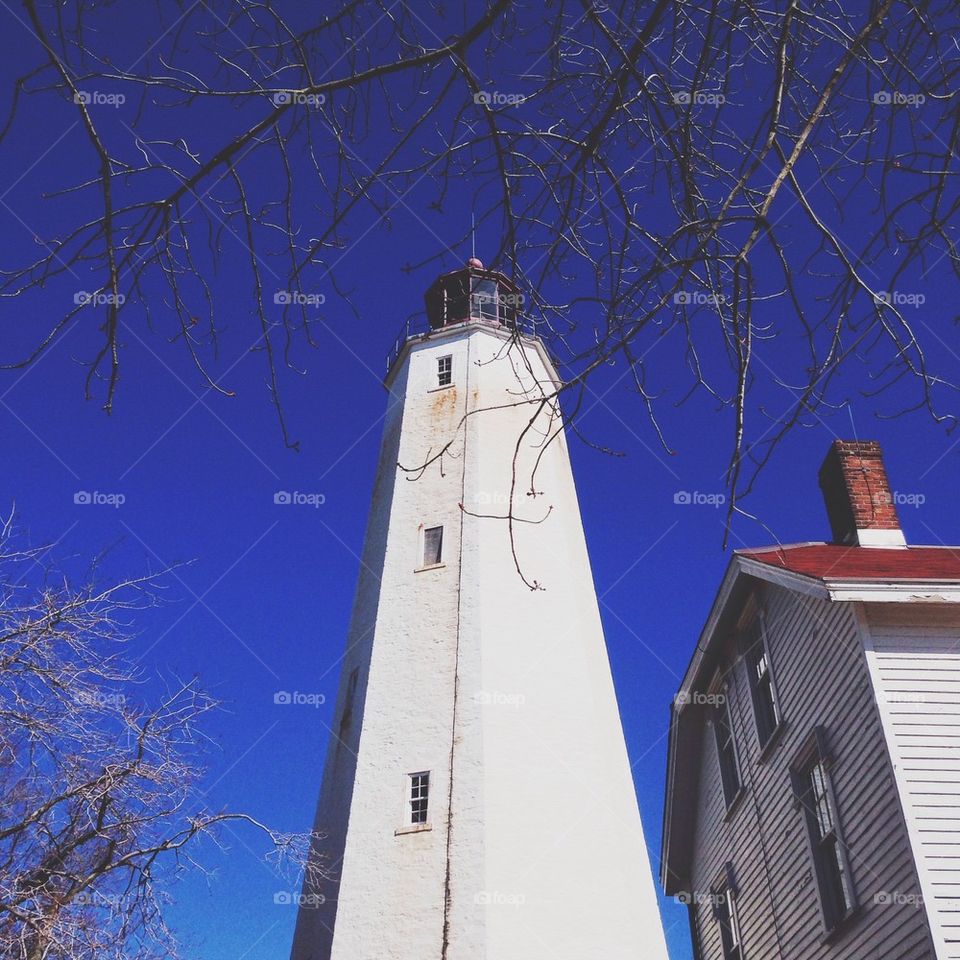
[{"x": 813, "y": 783}]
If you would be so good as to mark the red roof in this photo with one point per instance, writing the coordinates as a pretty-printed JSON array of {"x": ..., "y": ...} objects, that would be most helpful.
[{"x": 827, "y": 561}]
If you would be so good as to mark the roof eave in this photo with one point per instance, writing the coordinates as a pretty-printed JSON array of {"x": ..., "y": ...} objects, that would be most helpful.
[
  {"x": 679, "y": 709},
  {"x": 894, "y": 591},
  {"x": 784, "y": 577}
]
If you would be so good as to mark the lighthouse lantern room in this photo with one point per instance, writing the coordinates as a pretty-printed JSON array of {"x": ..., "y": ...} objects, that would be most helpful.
[{"x": 472, "y": 293}]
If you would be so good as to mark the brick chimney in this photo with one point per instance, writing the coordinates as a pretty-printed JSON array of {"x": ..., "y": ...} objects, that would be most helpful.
[{"x": 858, "y": 497}]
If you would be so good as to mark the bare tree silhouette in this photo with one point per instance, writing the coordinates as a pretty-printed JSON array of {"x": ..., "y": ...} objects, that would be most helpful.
[
  {"x": 100, "y": 802},
  {"x": 743, "y": 198}
]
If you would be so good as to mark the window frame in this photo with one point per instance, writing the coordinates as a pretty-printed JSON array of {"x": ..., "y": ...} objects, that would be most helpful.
[
  {"x": 724, "y": 895},
  {"x": 694, "y": 923},
  {"x": 445, "y": 371},
  {"x": 426, "y": 564},
  {"x": 836, "y": 889},
  {"x": 484, "y": 295},
  {"x": 722, "y": 708},
  {"x": 418, "y": 781},
  {"x": 764, "y": 692}
]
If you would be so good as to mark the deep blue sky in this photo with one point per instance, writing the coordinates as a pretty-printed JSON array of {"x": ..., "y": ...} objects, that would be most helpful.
[{"x": 265, "y": 602}]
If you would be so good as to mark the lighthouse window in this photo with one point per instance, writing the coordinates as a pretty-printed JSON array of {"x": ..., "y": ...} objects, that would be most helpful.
[
  {"x": 419, "y": 796},
  {"x": 432, "y": 546},
  {"x": 485, "y": 299},
  {"x": 347, "y": 714},
  {"x": 444, "y": 371}
]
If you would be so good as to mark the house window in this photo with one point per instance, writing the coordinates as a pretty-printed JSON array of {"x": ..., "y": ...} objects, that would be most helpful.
[
  {"x": 432, "y": 546},
  {"x": 763, "y": 691},
  {"x": 725, "y": 911},
  {"x": 444, "y": 371},
  {"x": 726, "y": 750},
  {"x": 419, "y": 796},
  {"x": 695, "y": 937},
  {"x": 815, "y": 795}
]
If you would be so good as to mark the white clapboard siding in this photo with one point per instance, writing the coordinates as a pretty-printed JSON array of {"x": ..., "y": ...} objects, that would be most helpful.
[{"x": 916, "y": 676}]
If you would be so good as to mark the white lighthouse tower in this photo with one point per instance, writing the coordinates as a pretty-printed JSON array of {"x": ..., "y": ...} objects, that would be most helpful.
[{"x": 477, "y": 800}]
